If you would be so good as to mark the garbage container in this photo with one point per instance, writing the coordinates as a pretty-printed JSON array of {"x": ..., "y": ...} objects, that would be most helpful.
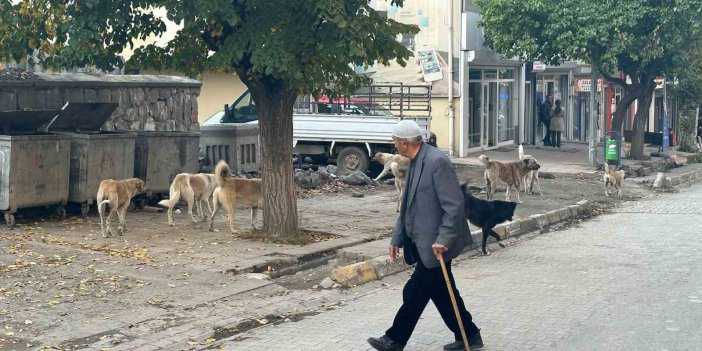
[
  {"x": 95, "y": 155},
  {"x": 33, "y": 164},
  {"x": 613, "y": 147},
  {"x": 160, "y": 156},
  {"x": 611, "y": 154},
  {"x": 236, "y": 143}
]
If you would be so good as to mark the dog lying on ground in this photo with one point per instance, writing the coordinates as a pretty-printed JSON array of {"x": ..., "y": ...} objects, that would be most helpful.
[
  {"x": 397, "y": 164},
  {"x": 512, "y": 173},
  {"x": 118, "y": 194},
  {"x": 531, "y": 180},
  {"x": 487, "y": 214},
  {"x": 614, "y": 179},
  {"x": 229, "y": 191},
  {"x": 193, "y": 188}
]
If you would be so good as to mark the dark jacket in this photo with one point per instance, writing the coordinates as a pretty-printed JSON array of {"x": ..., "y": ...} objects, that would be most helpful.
[
  {"x": 433, "y": 212},
  {"x": 545, "y": 113}
]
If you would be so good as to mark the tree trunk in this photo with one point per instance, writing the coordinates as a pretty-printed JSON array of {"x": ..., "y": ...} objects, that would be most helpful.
[
  {"x": 620, "y": 111},
  {"x": 640, "y": 121},
  {"x": 274, "y": 102}
]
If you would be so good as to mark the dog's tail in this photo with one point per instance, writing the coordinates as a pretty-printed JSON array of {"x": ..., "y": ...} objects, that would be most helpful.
[
  {"x": 485, "y": 161},
  {"x": 222, "y": 172},
  {"x": 174, "y": 192},
  {"x": 606, "y": 167},
  {"x": 521, "y": 152},
  {"x": 101, "y": 205}
]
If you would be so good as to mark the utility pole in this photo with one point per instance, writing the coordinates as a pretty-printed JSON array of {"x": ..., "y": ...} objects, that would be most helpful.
[
  {"x": 593, "y": 118},
  {"x": 666, "y": 139}
]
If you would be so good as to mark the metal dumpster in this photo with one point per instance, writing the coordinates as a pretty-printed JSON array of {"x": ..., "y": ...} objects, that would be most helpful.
[
  {"x": 236, "y": 143},
  {"x": 33, "y": 164},
  {"x": 95, "y": 155},
  {"x": 160, "y": 156}
]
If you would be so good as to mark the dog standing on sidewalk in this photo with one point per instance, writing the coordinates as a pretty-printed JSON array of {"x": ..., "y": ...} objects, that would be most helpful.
[
  {"x": 614, "y": 179},
  {"x": 397, "y": 164},
  {"x": 531, "y": 180},
  {"x": 229, "y": 191},
  {"x": 487, "y": 214},
  {"x": 118, "y": 194},
  {"x": 193, "y": 188}
]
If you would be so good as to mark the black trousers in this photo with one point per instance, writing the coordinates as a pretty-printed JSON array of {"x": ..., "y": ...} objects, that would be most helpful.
[
  {"x": 556, "y": 138},
  {"x": 424, "y": 285},
  {"x": 547, "y": 133}
]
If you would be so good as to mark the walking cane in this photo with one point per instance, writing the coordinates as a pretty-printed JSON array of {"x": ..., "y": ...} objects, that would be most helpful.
[{"x": 453, "y": 302}]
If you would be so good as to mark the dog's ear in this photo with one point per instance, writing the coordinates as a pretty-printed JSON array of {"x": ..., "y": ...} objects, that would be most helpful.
[{"x": 464, "y": 187}]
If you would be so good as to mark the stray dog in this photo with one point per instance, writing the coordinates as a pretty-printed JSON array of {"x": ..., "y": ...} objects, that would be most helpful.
[
  {"x": 118, "y": 194},
  {"x": 614, "y": 179},
  {"x": 229, "y": 191},
  {"x": 531, "y": 180},
  {"x": 487, "y": 214},
  {"x": 512, "y": 173},
  {"x": 194, "y": 188},
  {"x": 397, "y": 164}
]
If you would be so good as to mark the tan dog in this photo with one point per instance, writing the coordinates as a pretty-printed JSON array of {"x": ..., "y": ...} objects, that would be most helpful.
[
  {"x": 229, "y": 191},
  {"x": 397, "y": 164},
  {"x": 118, "y": 194},
  {"x": 614, "y": 179},
  {"x": 531, "y": 180},
  {"x": 193, "y": 188},
  {"x": 512, "y": 173}
]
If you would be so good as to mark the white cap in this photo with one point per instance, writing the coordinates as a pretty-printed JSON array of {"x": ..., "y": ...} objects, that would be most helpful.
[{"x": 406, "y": 129}]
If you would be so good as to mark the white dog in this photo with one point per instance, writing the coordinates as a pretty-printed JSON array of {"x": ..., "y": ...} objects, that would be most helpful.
[
  {"x": 531, "y": 180},
  {"x": 397, "y": 164}
]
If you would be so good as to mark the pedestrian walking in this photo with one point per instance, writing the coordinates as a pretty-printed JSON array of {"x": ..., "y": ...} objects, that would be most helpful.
[
  {"x": 432, "y": 222},
  {"x": 545, "y": 119},
  {"x": 557, "y": 124}
]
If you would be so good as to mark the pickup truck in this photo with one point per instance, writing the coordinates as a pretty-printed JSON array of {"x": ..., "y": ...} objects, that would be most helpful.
[{"x": 347, "y": 131}]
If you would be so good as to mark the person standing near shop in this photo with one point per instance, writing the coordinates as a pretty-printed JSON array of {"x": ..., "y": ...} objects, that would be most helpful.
[
  {"x": 557, "y": 124},
  {"x": 545, "y": 119},
  {"x": 432, "y": 222}
]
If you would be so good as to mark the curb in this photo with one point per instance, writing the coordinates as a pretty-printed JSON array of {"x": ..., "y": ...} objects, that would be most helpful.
[
  {"x": 382, "y": 266},
  {"x": 685, "y": 178}
]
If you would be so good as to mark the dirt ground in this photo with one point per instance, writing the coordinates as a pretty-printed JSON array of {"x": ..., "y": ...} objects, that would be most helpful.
[{"x": 61, "y": 280}]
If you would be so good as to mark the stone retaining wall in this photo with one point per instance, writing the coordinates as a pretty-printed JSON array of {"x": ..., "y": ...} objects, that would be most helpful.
[{"x": 146, "y": 102}]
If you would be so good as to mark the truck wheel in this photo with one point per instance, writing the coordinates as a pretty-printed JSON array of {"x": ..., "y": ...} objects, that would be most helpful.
[{"x": 352, "y": 159}]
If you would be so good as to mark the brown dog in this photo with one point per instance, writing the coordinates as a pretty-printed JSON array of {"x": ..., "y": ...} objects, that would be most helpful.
[
  {"x": 614, "y": 179},
  {"x": 511, "y": 173},
  {"x": 397, "y": 164},
  {"x": 229, "y": 191},
  {"x": 194, "y": 188},
  {"x": 531, "y": 180},
  {"x": 118, "y": 194}
]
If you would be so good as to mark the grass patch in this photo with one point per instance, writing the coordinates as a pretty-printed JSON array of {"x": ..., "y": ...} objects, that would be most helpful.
[{"x": 303, "y": 237}]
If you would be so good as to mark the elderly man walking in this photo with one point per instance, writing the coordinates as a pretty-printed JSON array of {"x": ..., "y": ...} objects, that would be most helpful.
[{"x": 432, "y": 222}]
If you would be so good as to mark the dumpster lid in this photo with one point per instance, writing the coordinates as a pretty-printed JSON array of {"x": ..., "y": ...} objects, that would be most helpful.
[
  {"x": 25, "y": 121},
  {"x": 83, "y": 116}
]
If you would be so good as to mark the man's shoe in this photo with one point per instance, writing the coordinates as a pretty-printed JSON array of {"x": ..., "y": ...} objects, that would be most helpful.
[
  {"x": 384, "y": 343},
  {"x": 475, "y": 342}
]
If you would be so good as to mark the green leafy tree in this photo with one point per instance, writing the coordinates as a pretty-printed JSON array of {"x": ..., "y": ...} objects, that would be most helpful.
[
  {"x": 278, "y": 48},
  {"x": 642, "y": 39}
]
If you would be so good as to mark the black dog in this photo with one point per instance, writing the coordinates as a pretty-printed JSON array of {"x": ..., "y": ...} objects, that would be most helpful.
[{"x": 487, "y": 214}]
